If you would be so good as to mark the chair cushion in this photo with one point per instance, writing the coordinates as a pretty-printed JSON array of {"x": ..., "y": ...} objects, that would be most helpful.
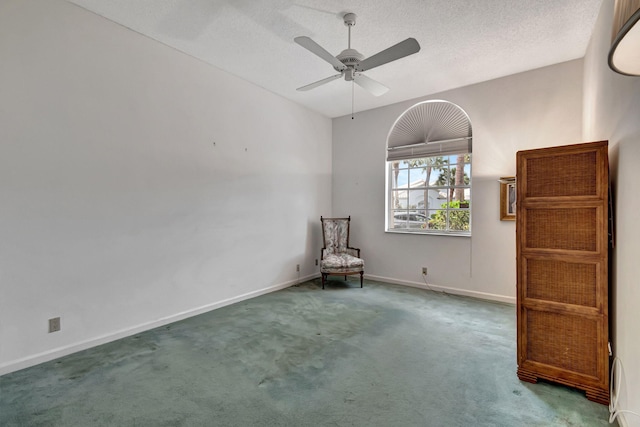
[
  {"x": 342, "y": 260},
  {"x": 336, "y": 235}
]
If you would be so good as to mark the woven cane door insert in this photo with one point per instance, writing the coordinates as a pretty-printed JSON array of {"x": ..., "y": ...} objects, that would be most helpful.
[
  {"x": 561, "y": 281},
  {"x": 562, "y": 340},
  {"x": 561, "y": 233},
  {"x": 566, "y": 229},
  {"x": 563, "y": 175}
]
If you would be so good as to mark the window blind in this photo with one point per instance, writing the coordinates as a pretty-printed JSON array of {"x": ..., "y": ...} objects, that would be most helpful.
[{"x": 430, "y": 128}]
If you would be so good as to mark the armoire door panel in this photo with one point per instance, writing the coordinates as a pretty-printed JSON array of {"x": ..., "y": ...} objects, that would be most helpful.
[
  {"x": 564, "y": 341},
  {"x": 572, "y": 229},
  {"x": 561, "y": 281},
  {"x": 572, "y": 174}
]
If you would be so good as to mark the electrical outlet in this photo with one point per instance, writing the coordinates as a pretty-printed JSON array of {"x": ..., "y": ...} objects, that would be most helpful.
[
  {"x": 424, "y": 271},
  {"x": 316, "y": 261},
  {"x": 297, "y": 267},
  {"x": 54, "y": 324}
]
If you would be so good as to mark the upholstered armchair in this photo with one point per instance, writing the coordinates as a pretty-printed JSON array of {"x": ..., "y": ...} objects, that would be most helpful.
[{"x": 337, "y": 257}]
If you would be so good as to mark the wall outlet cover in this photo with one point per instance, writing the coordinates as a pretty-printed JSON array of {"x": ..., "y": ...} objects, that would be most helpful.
[{"x": 54, "y": 324}]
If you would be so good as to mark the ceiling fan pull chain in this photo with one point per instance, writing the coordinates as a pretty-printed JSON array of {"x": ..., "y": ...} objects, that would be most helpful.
[{"x": 352, "y": 97}]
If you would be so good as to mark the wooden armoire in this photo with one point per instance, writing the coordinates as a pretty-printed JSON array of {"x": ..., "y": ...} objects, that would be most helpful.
[{"x": 562, "y": 259}]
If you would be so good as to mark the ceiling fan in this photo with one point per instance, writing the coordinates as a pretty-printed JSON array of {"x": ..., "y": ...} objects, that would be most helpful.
[{"x": 351, "y": 63}]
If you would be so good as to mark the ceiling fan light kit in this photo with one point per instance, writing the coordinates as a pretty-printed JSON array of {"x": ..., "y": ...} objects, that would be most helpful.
[{"x": 350, "y": 63}]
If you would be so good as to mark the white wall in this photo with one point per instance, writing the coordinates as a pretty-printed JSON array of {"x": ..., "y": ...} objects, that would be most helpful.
[
  {"x": 612, "y": 111},
  {"x": 529, "y": 110},
  {"x": 118, "y": 213}
]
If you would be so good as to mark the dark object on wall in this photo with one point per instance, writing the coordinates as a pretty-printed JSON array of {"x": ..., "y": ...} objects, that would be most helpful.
[
  {"x": 562, "y": 253},
  {"x": 507, "y": 198}
]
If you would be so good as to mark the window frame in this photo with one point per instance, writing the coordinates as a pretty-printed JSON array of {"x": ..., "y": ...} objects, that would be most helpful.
[{"x": 425, "y": 209}]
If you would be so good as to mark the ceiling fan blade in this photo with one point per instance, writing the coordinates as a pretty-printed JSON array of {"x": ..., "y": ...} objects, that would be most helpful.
[
  {"x": 318, "y": 50},
  {"x": 370, "y": 85},
  {"x": 397, "y": 51},
  {"x": 319, "y": 82}
]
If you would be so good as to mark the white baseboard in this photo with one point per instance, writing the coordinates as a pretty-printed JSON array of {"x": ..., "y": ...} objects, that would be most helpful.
[
  {"x": 622, "y": 421},
  {"x": 46, "y": 356},
  {"x": 455, "y": 291}
]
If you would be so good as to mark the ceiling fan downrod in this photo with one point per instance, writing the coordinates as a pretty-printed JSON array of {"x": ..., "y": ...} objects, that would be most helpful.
[{"x": 349, "y": 21}]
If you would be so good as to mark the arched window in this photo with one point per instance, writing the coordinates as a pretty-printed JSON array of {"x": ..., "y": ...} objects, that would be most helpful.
[{"x": 429, "y": 170}]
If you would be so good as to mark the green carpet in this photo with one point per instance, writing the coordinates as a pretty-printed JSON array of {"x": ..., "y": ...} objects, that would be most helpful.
[{"x": 383, "y": 355}]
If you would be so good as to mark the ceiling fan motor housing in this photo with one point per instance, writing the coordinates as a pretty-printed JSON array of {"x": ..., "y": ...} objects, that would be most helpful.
[{"x": 350, "y": 58}]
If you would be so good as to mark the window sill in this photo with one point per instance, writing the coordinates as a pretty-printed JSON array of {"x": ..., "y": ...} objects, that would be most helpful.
[{"x": 429, "y": 233}]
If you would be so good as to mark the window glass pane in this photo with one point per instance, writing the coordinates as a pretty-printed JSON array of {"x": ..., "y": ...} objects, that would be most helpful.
[
  {"x": 442, "y": 176},
  {"x": 460, "y": 171},
  {"x": 399, "y": 219},
  {"x": 467, "y": 195},
  {"x": 438, "y": 220},
  {"x": 458, "y": 196},
  {"x": 432, "y": 166},
  {"x": 433, "y": 177},
  {"x": 437, "y": 198},
  {"x": 418, "y": 177},
  {"x": 458, "y": 180},
  {"x": 467, "y": 172},
  {"x": 417, "y": 220},
  {"x": 459, "y": 220},
  {"x": 400, "y": 178},
  {"x": 399, "y": 199},
  {"x": 416, "y": 199}
]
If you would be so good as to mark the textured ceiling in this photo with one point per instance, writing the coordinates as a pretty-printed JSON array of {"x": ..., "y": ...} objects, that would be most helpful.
[{"x": 463, "y": 41}]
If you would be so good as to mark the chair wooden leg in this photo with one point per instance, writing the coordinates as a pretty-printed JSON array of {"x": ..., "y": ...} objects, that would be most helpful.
[
  {"x": 361, "y": 274},
  {"x": 323, "y": 278}
]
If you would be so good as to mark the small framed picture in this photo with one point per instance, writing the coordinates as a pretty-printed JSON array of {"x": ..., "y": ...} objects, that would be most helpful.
[{"x": 507, "y": 198}]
